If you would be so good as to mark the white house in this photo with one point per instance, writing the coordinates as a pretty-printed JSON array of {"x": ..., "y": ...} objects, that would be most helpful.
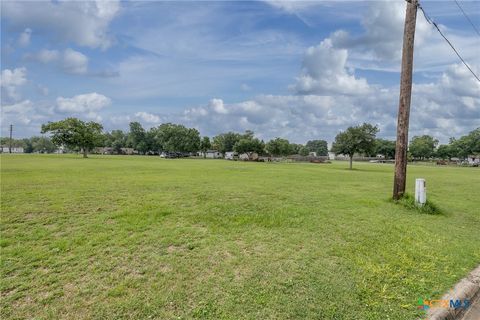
[
  {"x": 473, "y": 159},
  {"x": 253, "y": 156},
  {"x": 230, "y": 155},
  {"x": 213, "y": 154},
  {"x": 14, "y": 150},
  {"x": 331, "y": 155}
]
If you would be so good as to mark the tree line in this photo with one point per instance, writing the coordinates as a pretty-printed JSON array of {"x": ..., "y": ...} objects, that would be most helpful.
[{"x": 79, "y": 136}]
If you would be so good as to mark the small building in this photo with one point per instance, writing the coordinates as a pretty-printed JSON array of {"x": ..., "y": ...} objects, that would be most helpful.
[
  {"x": 252, "y": 156},
  {"x": 60, "y": 150},
  {"x": 213, "y": 154},
  {"x": 128, "y": 151},
  {"x": 230, "y": 155},
  {"x": 331, "y": 155},
  {"x": 312, "y": 154},
  {"x": 473, "y": 159},
  {"x": 103, "y": 150},
  {"x": 14, "y": 150}
]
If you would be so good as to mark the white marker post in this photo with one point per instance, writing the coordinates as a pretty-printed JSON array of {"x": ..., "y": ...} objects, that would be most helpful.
[{"x": 420, "y": 192}]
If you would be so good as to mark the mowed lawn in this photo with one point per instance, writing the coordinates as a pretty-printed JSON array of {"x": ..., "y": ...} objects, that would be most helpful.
[{"x": 113, "y": 237}]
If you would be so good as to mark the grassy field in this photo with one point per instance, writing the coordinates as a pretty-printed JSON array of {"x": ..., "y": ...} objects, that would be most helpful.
[{"x": 143, "y": 237}]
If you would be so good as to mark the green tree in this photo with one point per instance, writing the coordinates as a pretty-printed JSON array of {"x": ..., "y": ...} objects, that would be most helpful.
[
  {"x": 385, "y": 148},
  {"x": 224, "y": 142},
  {"x": 423, "y": 147},
  {"x": 116, "y": 139},
  {"x": 303, "y": 151},
  {"x": 137, "y": 137},
  {"x": 444, "y": 151},
  {"x": 278, "y": 147},
  {"x": 249, "y": 145},
  {"x": 27, "y": 145},
  {"x": 295, "y": 148},
  {"x": 466, "y": 145},
  {"x": 205, "y": 145},
  {"x": 176, "y": 137},
  {"x": 358, "y": 139},
  {"x": 74, "y": 133},
  {"x": 318, "y": 146},
  {"x": 42, "y": 145}
]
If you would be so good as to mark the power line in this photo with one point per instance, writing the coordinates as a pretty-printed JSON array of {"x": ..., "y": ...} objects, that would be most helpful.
[
  {"x": 429, "y": 20},
  {"x": 466, "y": 16}
]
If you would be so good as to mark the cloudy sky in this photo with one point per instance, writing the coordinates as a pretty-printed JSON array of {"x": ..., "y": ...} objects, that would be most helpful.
[{"x": 299, "y": 70}]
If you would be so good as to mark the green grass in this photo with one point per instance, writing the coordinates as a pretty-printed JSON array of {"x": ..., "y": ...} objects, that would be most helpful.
[{"x": 143, "y": 237}]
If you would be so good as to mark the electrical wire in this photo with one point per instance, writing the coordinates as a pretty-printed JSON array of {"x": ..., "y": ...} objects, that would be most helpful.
[
  {"x": 430, "y": 21},
  {"x": 466, "y": 16}
]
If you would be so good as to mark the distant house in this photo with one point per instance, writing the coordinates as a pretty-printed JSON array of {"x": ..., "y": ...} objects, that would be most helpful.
[
  {"x": 473, "y": 159},
  {"x": 103, "y": 150},
  {"x": 128, "y": 151},
  {"x": 252, "y": 156},
  {"x": 331, "y": 155},
  {"x": 60, "y": 150},
  {"x": 213, "y": 154},
  {"x": 231, "y": 155},
  {"x": 312, "y": 154},
  {"x": 14, "y": 150}
]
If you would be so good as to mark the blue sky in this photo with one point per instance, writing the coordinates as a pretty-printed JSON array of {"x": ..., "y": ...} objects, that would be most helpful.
[{"x": 299, "y": 70}]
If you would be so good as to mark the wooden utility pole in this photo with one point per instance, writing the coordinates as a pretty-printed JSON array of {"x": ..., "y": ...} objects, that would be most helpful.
[
  {"x": 404, "y": 103},
  {"x": 10, "y": 141}
]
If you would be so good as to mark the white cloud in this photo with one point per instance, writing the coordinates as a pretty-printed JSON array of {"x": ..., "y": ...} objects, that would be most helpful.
[
  {"x": 82, "y": 22},
  {"x": 70, "y": 61},
  {"x": 24, "y": 38},
  {"x": 217, "y": 106},
  {"x": 148, "y": 118},
  {"x": 292, "y": 6},
  {"x": 21, "y": 112},
  {"x": 11, "y": 79},
  {"x": 324, "y": 72},
  {"x": 449, "y": 106},
  {"x": 379, "y": 46},
  {"x": 85, "y": 105},
  {"x": 383, "y": 24},
  {"x": 46, "y": 56},
  {"x": 14, "y": 77},
  {"x": 74, "y": 62}
]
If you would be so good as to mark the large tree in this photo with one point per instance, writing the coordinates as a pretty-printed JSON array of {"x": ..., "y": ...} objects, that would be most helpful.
[
  {"x": 249, "y": 145},
  {"x": 116, "y": 140},
  {"x": 137, "y": 136},
  {"x": 422, "y": 147},
  {"x": 176, "y": 137},
  {"x": 385, "y": 148},
  {"x": 318, "y": 146},
  {"x": 466, "y": 145},
  {"x": 358, "y": 139},
  {"x": 279, "y": 147},
  {"x": 444, "y": 151},
  {"x": 74, "y": 133},
  {"x": 224, "y": 142},
  {"x": 205, "y": 145}
]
